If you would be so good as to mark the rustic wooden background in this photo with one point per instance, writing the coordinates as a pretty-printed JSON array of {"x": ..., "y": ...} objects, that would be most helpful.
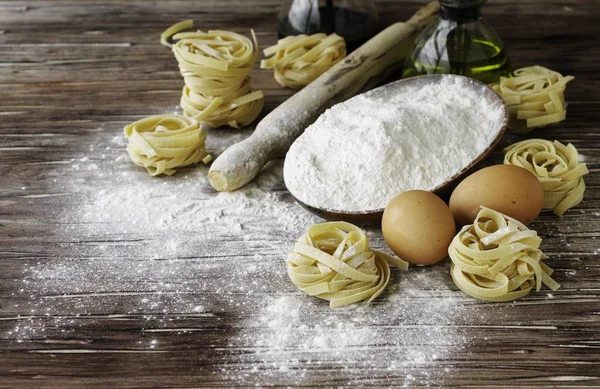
[{"x": 72, "y": 73}]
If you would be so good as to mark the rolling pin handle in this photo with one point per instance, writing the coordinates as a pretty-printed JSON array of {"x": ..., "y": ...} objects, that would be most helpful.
[{"x": 245, "y": 160}]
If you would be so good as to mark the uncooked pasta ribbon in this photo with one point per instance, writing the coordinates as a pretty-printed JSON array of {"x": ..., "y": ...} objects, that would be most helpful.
[
  {"x": 535, "y": 97},
  {"x": 497, "y": 258},
  {"x": 216, "y": 67},
  {"x": 300, "y": 59},
  {"x": 332, "y": 261},
  {"x": 164, "y": 142},
  {"x": 556, "y": 166}
]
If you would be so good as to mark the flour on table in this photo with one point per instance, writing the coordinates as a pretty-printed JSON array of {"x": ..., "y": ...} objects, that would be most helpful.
[
  {"x": 166, "y": 239},
  {"x": 409, "y": 327},
  {"x": 179, "y": 259},
  {"x": 359, "y": 154}
]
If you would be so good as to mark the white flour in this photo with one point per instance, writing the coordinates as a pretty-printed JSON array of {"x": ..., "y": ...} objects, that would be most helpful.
[
  {"x": 361, "y": 153},
  {"x": 403, "y": 332}
]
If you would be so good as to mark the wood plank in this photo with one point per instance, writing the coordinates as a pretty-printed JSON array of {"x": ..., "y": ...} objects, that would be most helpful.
[{"x": 119, "y": 299}]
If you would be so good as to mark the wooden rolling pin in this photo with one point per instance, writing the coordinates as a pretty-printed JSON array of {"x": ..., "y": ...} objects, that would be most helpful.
[{"x": 361, "y": 70}]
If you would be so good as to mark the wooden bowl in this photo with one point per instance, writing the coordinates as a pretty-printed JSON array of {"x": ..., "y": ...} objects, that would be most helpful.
[{"x": 374, "y": 216}]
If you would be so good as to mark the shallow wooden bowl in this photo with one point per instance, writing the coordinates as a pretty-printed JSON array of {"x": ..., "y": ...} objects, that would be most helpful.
[{"x": 374, "y": 216}]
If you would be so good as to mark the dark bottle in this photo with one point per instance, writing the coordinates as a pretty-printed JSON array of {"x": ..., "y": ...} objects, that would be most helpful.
[
  {"x": 355, "y": 20},
  {"x": 459, "y": 42}
]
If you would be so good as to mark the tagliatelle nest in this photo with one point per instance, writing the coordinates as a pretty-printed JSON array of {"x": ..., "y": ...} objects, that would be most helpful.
[
  {"x": 497, "y": 258},
  {"x": 556, "y": 166},
  {"x": 162, "y": 143},
  {"x": 332, "y": 261},
  {"x": 216, "y": 67},
  {"x": 299, "y": 60},
  {"x": 535, "y": 97}
]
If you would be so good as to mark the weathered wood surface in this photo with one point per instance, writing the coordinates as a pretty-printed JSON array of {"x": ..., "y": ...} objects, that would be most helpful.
[{"x": 89, "y": 302}]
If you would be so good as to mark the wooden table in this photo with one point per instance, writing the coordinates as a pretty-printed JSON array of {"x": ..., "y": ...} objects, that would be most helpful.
[{"x": 96, "y": 291}]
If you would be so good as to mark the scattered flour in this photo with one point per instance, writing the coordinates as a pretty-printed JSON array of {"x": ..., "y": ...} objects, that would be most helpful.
[
  {"x": 166, "y": 239},
  {"x": 403, "y": 333},
  {"x": 391, "y": 142},
  {"x": 176, "y": 258}
]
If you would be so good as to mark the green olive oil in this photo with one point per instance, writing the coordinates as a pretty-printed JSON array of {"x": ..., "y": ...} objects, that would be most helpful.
[{"x": 483, "y": 60}]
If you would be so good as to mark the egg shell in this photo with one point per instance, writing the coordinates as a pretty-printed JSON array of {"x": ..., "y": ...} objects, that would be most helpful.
[
  {"x": 418, "y": 226},
  {"x": 508, "y": 189}
]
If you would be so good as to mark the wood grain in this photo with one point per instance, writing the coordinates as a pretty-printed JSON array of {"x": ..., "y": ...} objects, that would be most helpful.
[{"x": 72, "y": 74}]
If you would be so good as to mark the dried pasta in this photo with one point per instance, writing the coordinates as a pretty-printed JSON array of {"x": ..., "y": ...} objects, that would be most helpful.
[
  {"x": 162, "y": 143},
  {"x": 497, "y": 258},
  {"x": 332, "y": 261},
  {"x": 300, "y": 59},
  {"x": 556, "y": 166},
  {"x": 535, "y": 97},
  {"x": 216, "y": 67}
]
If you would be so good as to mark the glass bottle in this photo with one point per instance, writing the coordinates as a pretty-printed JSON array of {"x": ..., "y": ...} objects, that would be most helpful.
[
  {"x": 459, "y": 42},
  {"x": 355, "y": 20}
]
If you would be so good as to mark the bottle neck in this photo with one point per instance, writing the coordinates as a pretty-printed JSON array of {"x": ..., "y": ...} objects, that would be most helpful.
[{"x": 460, "y": 15}]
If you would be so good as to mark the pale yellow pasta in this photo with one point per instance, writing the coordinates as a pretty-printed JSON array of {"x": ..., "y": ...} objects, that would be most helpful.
[
  {"x": 535, "y": 97},
  {"x": 497, "y": 258},
  {"x": 216, "y": 67},
  {"x": 162, "y": 143},
  {"x": 300, "y": 59},
  {"x": 556, "y": 166},
  {"x": 332, "y": 261}
]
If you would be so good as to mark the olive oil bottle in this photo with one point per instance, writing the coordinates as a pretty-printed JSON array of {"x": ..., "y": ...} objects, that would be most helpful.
[{"x": 459, "y": 42}]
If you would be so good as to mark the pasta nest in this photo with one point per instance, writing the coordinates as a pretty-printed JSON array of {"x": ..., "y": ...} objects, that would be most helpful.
[
  {"x": 164, "y": 142},
  {"x": 556, "y": 166},
  {"x": 332, "y": 261},
  {"x": 498, "y": 259},
  {"x": 216, "y": 67},
  {"x": 535, "y": 97},
  {"x": 300, "y": 59}
]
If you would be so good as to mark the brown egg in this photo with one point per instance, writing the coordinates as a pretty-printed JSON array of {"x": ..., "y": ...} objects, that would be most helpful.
[
  {"x": 509, "y": 189},
  {"x": 418, "y": 226}
]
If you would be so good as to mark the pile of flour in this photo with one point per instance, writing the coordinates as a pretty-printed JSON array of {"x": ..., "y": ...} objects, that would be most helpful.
[{"x": 359, "y": 154}]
